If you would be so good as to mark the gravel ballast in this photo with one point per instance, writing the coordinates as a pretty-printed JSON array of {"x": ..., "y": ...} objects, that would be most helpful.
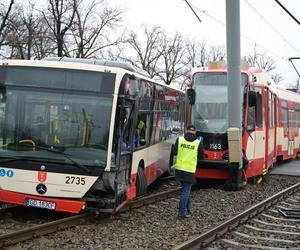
[{"x": 156, "y": 226}]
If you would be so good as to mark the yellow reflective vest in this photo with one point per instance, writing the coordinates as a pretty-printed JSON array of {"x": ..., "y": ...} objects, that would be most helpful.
[
  {"x": 187, "y": 155},
  {"x": 141, "y": 130}
]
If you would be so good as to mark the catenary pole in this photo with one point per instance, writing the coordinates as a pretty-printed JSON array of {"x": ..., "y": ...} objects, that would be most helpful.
[
  {"x": 234, "y": 86},
  {"x": 233, "y": 62}
]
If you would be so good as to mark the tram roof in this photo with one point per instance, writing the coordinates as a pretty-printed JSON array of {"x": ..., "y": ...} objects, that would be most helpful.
[
  {"x": 261, "y": 77},
  {"x": 287, "y": 94}
]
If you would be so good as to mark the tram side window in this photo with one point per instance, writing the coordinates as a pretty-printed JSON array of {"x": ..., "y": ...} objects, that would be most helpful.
[
  {"x": 271, "y": 110},
  {"x": 297, "y": 111},
  {"x": 258, "y": 110},
  {"x": 251, "y": 118},
  {"x": 284, "y": 116}
]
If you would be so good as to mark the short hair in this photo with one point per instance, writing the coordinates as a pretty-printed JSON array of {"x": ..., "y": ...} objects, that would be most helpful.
[{"x": 191, "y": 127}]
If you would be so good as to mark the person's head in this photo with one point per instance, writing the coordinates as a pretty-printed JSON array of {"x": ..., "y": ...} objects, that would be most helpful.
[{"x": 191, "y": 129}]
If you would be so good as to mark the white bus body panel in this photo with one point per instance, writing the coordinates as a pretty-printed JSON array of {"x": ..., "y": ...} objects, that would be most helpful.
[{"x": 26, "y": 181}]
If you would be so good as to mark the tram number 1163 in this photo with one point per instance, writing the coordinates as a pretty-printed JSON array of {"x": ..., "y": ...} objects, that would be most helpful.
[{"x": 215, "y": 146}]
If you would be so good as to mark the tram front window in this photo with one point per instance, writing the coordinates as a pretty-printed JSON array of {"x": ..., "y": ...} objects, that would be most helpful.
[
  {"x": 210, "y": 111},
  {"x": 74, "y": 122}
]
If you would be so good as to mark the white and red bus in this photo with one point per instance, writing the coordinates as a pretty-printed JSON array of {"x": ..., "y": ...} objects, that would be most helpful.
[
  {"x": 271, "y": 121},
  {"x": 68, "y": 138}
]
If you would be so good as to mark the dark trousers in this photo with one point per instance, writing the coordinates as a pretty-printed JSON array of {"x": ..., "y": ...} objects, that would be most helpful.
[{"x": 185, "y": 202}]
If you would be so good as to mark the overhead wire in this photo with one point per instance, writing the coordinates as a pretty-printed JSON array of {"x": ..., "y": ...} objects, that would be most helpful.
[
  {"x": 287, "y": 11},
  {"x": 272, "y": 27},
  {"x": 193, "y": 10},
  {"x": 244, "y": 36}
]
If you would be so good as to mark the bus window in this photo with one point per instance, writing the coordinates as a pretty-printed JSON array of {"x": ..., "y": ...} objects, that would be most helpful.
[
  {"x": 140, "y": 137},
  {"x": 126, "y": 126}
]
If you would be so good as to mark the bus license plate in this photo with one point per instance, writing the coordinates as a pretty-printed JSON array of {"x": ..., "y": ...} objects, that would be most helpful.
[{"x": 40, "y": 204}]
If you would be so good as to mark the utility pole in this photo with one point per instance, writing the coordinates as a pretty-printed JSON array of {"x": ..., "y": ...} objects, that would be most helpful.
[{"x": 234, "y": 94}]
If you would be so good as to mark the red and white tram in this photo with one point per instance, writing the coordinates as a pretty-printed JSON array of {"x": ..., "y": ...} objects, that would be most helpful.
[{"x": 271, "y": 121}]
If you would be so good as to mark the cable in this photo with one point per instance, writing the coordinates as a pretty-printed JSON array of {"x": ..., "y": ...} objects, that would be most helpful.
[
  {"x": 291, "y": 60},
  {"x": 193, "y": 11},
  {"x": 244, "y": 36},
  {"x": 272, "y": 27},
  {"x": 286, "y": 10}
]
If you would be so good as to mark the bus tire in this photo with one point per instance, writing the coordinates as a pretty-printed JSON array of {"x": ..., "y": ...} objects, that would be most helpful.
[{"x": 141, "y": 182}]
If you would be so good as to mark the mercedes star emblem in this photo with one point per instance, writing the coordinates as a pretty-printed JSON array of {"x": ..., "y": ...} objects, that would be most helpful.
[{"x": 41, "y": 188}]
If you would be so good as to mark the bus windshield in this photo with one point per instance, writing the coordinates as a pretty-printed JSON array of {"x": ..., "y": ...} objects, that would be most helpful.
[
  {"x": 210, "y": 109},
  {"x": 59, "y": 109}
]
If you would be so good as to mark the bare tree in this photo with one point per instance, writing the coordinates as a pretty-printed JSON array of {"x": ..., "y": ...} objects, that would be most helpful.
[
  {"x": 43, "y": 43},
  {"x": 260, "y": 60},
  {"x": 277, "y": 78},
  {"x": 197, "y": 54},
  {"x": 92, "y": 31},
  {"x": 59, "y": 18},
  {"x": 147, "y": 49},
  {"x": 217, "y": 53},
  {"x": 172, "y": 57},
  {"x": 4, "y": 15},
  {"x": 27, "y": 36}
]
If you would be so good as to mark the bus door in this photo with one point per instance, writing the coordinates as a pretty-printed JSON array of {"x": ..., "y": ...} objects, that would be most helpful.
[{"x": 291, "y": 142}]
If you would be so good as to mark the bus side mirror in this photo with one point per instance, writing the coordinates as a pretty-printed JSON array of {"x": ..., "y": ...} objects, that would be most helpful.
[
  {"x": 191, "y": 95},
  {"x": 252, "y": 98}
]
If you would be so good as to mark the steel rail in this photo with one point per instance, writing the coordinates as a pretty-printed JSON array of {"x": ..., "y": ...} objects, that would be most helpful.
[
  {"x": 150, "y": 199},
  {"x": 215, "y": 233},
  {"x": 46, "y": 228},
  {"x": 64, "y": 223}
]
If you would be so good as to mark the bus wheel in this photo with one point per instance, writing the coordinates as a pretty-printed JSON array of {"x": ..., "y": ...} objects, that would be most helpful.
[{"x": 141, "y": 183}]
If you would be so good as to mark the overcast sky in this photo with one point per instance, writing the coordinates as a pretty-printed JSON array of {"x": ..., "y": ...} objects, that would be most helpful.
[{"x": 175, "y": 15}]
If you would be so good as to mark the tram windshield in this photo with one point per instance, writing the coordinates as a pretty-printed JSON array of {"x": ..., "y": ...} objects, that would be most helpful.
[
  {"x": 60, "y": 109},
  {"x": 210, "y": 111}
]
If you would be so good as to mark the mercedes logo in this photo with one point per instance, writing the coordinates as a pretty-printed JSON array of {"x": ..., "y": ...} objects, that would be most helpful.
[{"x": 41, "y": 188}]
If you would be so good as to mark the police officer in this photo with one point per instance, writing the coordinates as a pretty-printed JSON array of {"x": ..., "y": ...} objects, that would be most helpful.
[{"x": 189, "y": 149}]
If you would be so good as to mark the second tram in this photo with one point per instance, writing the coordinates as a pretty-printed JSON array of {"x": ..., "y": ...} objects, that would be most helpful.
[{"x": 270, "y": 121}]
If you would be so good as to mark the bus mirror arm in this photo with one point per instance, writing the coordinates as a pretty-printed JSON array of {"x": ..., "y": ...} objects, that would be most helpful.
[{"x": 191, "y": 95}]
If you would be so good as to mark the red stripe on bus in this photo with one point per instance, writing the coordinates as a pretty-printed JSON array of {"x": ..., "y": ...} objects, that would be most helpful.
[{"x": 71, "y": 206}]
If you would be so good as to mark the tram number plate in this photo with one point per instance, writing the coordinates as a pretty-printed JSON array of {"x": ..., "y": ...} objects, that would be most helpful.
[{"x": 40, "y": 204}]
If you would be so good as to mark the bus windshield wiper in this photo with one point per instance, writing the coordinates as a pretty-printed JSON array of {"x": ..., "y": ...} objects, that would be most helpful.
[
  {"x": 49, "y": 149},
  {"x": 12, "y": 158}
]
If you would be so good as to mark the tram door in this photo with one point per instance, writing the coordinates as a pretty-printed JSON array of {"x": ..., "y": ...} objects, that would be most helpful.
[
  {"x": 291, "y": 142},
  {"x": 269, "y": 128}
]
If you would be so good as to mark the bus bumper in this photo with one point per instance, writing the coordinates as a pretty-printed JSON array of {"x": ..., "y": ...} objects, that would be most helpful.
[{"x": 63, "y": 205}]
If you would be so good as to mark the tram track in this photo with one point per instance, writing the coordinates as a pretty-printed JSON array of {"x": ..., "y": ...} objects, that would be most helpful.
[
  {"x": 11, "y": 238},
  {"x": 259, "y": 227}
]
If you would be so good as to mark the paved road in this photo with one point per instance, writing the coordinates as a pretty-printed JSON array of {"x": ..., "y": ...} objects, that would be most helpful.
[{"x": 291, "y": 167}]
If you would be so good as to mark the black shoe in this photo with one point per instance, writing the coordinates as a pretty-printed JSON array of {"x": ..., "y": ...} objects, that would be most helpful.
[
  {"x": 186, "y": 216},
  {"x": 189, "y": 213}
]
